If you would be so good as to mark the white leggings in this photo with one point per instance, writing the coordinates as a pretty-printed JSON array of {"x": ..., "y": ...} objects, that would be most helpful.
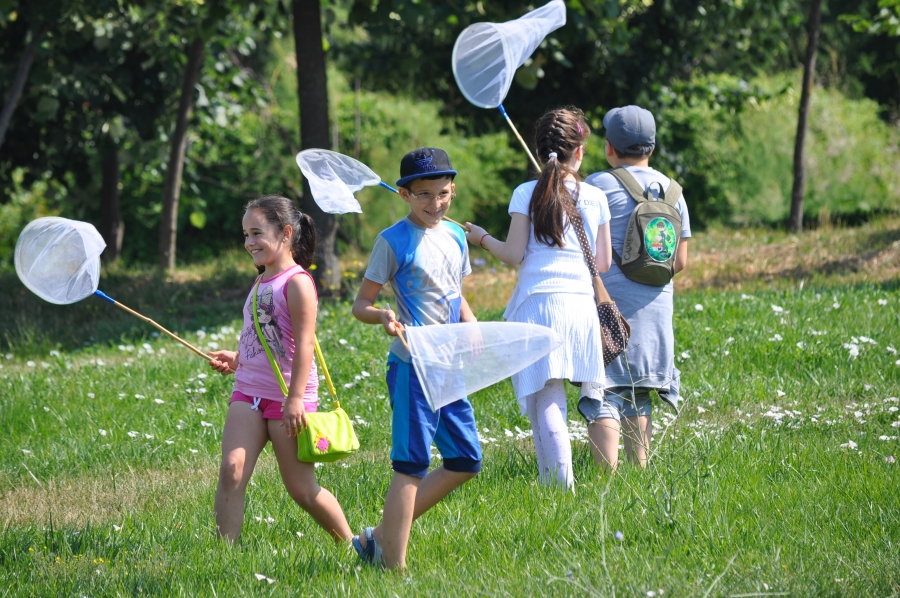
[{"x": 547, "y": 411}]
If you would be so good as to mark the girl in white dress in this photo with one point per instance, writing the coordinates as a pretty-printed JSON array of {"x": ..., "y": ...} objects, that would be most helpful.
[{"x": 554, "y": 286}]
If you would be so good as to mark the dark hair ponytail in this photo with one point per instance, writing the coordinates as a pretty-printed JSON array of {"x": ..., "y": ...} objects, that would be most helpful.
[
  {"x": 303, "y": 243},
  {"x": 559, "y": 132},
  {"x": 280, "y": 212}
]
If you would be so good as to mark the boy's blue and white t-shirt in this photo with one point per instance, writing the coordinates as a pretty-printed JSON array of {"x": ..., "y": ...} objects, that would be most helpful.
[{"x": 425, "y": 267}]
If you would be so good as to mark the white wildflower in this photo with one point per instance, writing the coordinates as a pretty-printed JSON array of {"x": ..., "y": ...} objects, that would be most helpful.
[
  {"x": 849, "y": 444},
  {"x": 777, "y": 308},
  {"x": 698, "y": 307},
  {"x": 102, "y": 432},
  {"x": 205, "y": 424}
]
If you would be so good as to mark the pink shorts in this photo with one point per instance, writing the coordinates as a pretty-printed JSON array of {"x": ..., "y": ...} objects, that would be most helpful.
[{"x": 267, "y": 407}]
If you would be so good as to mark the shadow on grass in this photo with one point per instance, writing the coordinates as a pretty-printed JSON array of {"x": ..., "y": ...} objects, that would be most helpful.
[{"x": 30, "y": 325}]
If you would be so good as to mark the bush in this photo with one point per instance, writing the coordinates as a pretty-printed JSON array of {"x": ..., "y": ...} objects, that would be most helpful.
[{"x": 737, "y": 165}]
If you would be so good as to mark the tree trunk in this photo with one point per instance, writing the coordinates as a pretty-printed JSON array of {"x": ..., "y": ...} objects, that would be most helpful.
[
  {"x": 111, "y": 225},
  {"x": 312, "y": 88},
  {"x": 18, "y": 84},
  {"x": 809, "y": 72},
  {"x": 168, "y": 224}
]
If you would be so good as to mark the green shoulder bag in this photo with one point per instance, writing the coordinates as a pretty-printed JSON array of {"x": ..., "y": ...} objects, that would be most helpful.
[{"x": 329, "y": 435}]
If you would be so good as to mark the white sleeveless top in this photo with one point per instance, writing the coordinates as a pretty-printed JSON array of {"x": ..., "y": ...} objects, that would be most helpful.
[{"x": 546, "y": 269}]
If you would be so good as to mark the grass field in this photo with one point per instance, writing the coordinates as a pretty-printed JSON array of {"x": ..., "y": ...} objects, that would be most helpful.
[{"x": 779, "y": 477}]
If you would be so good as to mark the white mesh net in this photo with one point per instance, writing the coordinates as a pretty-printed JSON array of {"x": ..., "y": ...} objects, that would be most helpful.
[
  {"x": 455, "y": 360},
  {"x": 334, "y": 178},
  {"x": 59, "y": 259},
  {"x": 486, "y": 55}
]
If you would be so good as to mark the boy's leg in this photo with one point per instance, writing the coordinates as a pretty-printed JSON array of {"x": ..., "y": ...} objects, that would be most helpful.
[
  {"x": 638, "y": 428},
  {"x": 604, "y": 435},
  {"x": 243, "y": 439},
  {"x": 605, "y": 431},
  {"x": 413, "y": 426},
  {"x": 437, "y": 484},
  {"x": 393, "y": 533},
  {"x": 300, "y": 480}
]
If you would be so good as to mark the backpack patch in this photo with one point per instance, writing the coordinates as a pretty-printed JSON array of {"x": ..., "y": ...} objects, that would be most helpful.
[{"x": 659, "y": 239}]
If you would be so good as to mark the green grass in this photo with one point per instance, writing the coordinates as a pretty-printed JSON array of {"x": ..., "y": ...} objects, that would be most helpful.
[{"x": 749, "y": 491}]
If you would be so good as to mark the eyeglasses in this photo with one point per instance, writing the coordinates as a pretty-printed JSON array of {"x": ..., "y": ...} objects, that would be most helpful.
[{"x": 426, "y": 198}]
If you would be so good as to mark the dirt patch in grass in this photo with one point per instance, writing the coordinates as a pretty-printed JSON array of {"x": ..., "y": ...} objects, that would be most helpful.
[
  {"x": 80, "y": 501},
  {"x": 734, "y": 259}
]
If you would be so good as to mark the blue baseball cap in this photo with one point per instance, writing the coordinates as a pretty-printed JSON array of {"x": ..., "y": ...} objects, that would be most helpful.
[
  {"x": 631, "y": 130},
  {"x": 423, "y": 162}
]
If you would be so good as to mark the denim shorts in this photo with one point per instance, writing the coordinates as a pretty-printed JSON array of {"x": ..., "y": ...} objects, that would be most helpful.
[{"x": 622, "y": 401}]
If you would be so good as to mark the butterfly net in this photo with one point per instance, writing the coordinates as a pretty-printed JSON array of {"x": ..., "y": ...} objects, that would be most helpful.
[
  {"x": 59, "y": 259},
  {"x": 486, "y": 55},
  {"x": 334, "y": 178},
  {"x": 455, "y": 360}
]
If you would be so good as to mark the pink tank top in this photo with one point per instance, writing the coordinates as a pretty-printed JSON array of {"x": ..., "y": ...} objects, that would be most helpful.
[{"x": 254, "y": 376}]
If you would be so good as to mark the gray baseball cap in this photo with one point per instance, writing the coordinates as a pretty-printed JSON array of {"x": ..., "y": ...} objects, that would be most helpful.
[{"x": 628, "y": 127}]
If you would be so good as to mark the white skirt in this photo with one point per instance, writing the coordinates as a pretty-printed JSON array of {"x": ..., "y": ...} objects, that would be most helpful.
[{"x": 579, "y": 358}]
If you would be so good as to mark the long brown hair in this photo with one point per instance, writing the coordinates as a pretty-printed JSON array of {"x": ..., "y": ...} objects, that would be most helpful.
[
  {"x": 559, "y": 131},
  {"x": 280, "y": 212}
]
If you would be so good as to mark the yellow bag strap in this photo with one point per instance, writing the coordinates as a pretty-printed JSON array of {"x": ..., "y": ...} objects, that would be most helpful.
[{"x": 275, "y": 368}]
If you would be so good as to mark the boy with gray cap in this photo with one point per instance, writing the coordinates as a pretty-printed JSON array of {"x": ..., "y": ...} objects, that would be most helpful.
[{"x": 649, "y": 362}]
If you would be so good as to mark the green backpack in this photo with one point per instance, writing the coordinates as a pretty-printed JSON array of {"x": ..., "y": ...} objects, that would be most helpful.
[{"x": 651, "y": 237}]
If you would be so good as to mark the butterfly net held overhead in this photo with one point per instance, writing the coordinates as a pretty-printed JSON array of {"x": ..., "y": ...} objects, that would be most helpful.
[
  {"x": 486, "y": 55},
  {"x": 59, "y": 259},
  {"x": 454, "y": 360},
  {"x": 334, "y": 178}
]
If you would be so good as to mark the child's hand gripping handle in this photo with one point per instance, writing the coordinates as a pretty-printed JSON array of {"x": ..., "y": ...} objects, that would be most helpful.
[{"x": 399, "y": 329}]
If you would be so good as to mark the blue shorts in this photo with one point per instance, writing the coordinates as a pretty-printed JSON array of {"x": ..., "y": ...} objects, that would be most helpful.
[
  {"x": 415, "y": 426},
  {"x": 622, "y": 401}
]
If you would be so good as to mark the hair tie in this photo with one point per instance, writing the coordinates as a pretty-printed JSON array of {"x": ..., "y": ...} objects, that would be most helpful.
[{"x": 551, "y": 155}]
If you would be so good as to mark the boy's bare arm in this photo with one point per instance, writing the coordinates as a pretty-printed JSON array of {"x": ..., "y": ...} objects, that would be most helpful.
[
  {"x": 365, "y": 311},
  {"x": 681, "y": 255},
  {"x": 465, "y": 312}
]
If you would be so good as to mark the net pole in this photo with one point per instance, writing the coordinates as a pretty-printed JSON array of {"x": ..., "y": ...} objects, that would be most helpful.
[
  {"x": 206, "y": 356},
  {"x": 519, "y": 137}
]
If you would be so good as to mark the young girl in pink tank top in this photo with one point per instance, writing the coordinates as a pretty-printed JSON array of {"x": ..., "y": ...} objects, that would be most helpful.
[{"x": 282, "y": 242}]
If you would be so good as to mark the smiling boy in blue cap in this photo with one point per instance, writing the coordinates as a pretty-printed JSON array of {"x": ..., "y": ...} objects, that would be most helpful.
[
  {"x": 424, "y": 259},
  {"x": 649, "y": 363}
]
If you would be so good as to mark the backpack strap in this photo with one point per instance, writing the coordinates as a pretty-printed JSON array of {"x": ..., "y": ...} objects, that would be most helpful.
[
  {"x": 632, "y": 187},
  {"x": 671, "y": 195}
]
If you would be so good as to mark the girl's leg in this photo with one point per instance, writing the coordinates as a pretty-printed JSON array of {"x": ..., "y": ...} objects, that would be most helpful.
[
  {"x": 547, "y": 412},
  {"x": 243, "y": 440},
  {"x": 300, "y": 480},
  {"x": 638, "y": 431},
  {"x": 604, "y": 436}
]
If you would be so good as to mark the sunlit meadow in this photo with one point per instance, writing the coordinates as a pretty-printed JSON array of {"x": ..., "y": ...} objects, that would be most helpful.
[{"x": 778, "y": 477}]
